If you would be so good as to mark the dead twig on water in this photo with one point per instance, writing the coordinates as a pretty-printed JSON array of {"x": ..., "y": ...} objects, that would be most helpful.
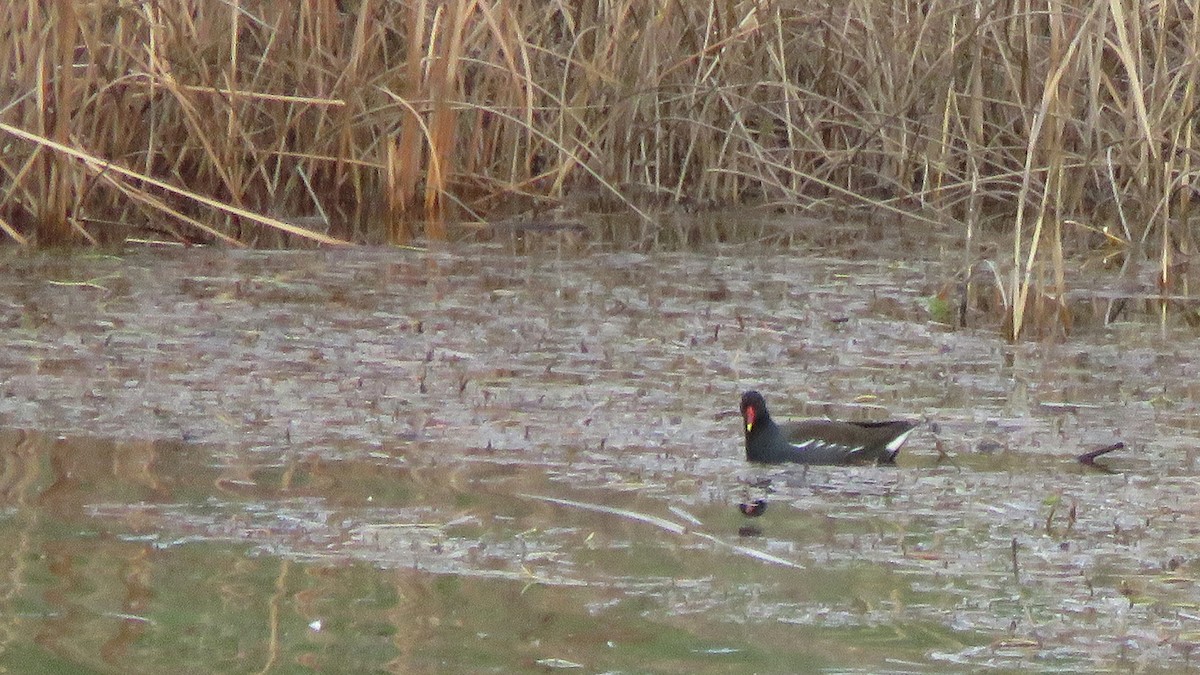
[
  {"x": 1015, "y": 566},
  {"x": 1089, "y": 458}
]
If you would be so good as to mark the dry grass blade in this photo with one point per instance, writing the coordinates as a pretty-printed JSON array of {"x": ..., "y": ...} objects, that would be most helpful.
[
  {"x": 101, "y": 166},
  {"x": 667, "y": 525},
  {"x": 12, "y": 233},
  {"x": 1052, "y": 151}
]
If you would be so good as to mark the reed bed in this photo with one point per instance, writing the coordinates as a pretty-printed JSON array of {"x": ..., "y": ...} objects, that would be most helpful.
[{"x": 1065, "y": 126}]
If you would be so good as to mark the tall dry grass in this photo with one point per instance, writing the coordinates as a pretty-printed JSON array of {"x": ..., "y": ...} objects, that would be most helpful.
[{"x": 268, "y": 123}]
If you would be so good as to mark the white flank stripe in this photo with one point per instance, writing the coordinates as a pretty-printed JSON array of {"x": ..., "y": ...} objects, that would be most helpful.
[{"x": 894, "y": 446}]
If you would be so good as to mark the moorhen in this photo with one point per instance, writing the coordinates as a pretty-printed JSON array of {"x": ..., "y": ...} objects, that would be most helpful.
[{"x": 819, "y": 441}]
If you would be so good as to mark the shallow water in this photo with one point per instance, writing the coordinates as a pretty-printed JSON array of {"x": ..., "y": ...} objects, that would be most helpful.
[{"x": 469, "y": 460}]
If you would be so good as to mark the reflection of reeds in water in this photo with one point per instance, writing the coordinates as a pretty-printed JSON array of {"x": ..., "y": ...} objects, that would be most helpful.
[{"x": 381, "y": 121}]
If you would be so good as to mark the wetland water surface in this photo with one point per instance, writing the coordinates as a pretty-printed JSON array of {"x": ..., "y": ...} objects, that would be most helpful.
[{"x": 471, "y": 461}]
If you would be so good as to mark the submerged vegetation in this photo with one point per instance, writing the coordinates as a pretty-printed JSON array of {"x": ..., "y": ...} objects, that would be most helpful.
[{"x": 1064, "y": 126}]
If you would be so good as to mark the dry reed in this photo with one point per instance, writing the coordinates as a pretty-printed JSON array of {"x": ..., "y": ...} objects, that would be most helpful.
[{"x": 266, "y": 123}]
